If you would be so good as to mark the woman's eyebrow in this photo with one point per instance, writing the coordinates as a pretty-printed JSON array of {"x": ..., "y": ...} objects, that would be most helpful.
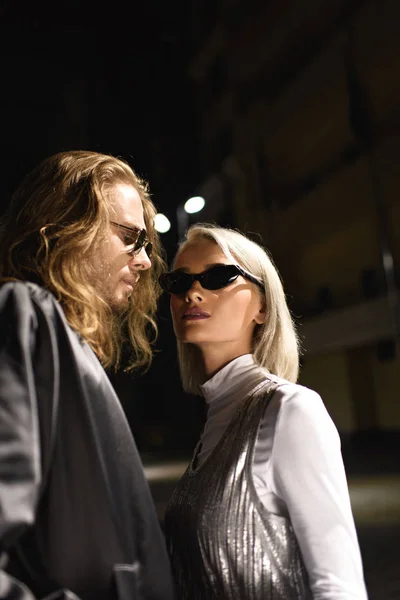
[
  {"x": 215, "y": 264},
  {"x": 208, "y": 266}
]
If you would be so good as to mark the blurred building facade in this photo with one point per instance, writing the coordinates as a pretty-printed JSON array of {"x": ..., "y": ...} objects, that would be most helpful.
[{"x": 299, "y": 126}]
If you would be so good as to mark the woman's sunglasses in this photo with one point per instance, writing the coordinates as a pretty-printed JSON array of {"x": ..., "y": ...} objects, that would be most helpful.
[
  {"x": 214, "y": 278},
  {"x": 137, "y": 238}
]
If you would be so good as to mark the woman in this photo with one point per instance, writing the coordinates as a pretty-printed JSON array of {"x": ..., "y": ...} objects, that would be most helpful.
[{"x": 263, "y": 510}]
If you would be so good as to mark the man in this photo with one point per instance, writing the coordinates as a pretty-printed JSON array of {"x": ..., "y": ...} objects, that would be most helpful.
[{"x": 79, "y": 261}]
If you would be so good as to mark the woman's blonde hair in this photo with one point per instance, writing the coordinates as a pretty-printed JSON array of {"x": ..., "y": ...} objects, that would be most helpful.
[
  {"x": 58, "y": 216},
  {"x": 275, "y": 343}
]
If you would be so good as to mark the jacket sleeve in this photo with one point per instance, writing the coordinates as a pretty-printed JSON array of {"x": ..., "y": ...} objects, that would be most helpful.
[
  {"x": 20, "y": 460},
  {"x": 23, "y": 336}
]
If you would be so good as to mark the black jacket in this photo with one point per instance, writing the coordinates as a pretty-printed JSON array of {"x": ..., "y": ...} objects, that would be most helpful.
[{"x": 76, "y": 515}]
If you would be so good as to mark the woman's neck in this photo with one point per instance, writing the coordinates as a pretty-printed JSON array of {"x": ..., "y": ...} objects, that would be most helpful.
[{"x": 217, "y": 356}]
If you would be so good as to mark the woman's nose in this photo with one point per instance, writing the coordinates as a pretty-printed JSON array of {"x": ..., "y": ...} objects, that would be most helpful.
[{"x": 195, "y": 292}]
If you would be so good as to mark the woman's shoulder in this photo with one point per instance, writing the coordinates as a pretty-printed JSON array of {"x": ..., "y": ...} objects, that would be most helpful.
[
  {"x": 299, "y": 405},
  {"x": 294, "y": 396},
  {"x": 288, "y": 389}
]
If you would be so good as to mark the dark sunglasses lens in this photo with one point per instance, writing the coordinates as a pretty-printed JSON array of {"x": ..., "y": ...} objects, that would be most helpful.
[
  {"x": 219, "y": 277},
  {"x": 141, "y": 242},
  {"x": 175, "y": 283}
]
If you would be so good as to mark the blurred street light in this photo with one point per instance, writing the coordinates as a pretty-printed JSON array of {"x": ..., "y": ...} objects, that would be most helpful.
[
  {"x": 194, "y": 205},
  {"x": 191, "y": 206},
  {"x": 161, "y": 223}
]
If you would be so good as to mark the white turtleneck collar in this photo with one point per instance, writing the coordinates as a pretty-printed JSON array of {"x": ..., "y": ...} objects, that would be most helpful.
[
  {"x": 224, "y": 392},
  {"x": 230, "y": 378}
]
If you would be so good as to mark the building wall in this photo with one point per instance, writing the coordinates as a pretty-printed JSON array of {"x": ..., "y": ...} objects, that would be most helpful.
[
  {"x": 386, "y": 377},
  {"x": 359, "y": 388},
  {"x": 312, "y": 101},
  {"x": 328, "y": 376}
]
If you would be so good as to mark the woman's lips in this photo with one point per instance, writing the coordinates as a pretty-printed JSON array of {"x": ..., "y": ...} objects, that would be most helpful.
[{"x": 195, "y": 315}]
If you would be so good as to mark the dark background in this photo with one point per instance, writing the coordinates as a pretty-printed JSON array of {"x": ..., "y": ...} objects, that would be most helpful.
[
  {"x": 78, "y": 74},
  {"x": 204, "y": 97},
  {"x": 113, "y": 78},
  {"x": 285, "y": 115},
  {"x": 178, "y": 89}
]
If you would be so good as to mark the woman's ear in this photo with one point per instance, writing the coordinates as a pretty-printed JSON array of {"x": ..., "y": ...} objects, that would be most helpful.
[{"x": 261, "y": 316}]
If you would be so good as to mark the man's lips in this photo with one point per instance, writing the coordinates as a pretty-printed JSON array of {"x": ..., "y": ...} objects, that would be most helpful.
[{"x": 130, "y": 282}]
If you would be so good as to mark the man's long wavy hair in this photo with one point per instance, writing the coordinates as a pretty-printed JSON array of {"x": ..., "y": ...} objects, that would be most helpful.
[{"x": 57, "y": 218}]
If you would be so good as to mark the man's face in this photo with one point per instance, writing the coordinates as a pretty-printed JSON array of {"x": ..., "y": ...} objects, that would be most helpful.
[{"x": 116, "y": 272}]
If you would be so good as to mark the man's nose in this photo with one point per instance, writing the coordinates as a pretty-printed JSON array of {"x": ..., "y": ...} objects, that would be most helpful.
[{"x": 140, "y": 260}]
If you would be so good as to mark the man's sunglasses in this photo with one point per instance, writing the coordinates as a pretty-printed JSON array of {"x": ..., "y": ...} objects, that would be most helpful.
[
  {"x": 214, "y": 278},
  {"x": 137, "y": 238}
]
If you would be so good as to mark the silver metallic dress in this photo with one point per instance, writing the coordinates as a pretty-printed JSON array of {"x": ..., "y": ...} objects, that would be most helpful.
[{"x": 224, "y": 544}]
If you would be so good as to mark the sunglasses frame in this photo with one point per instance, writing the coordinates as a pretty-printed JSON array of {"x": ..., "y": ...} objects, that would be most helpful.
[
  {"x": 142, "y": 240},
  {"x": 192, "y": 277}
]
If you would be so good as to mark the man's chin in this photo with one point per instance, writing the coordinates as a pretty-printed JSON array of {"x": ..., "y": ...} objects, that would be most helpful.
[{"x": 119, "y": 304}]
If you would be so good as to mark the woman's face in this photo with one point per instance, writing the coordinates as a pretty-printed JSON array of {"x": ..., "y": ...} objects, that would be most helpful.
[{"x": 228, "y": 315}]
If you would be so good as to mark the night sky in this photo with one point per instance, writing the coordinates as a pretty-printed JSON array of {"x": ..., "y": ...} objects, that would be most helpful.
[{"x": 110, "y": 78}]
